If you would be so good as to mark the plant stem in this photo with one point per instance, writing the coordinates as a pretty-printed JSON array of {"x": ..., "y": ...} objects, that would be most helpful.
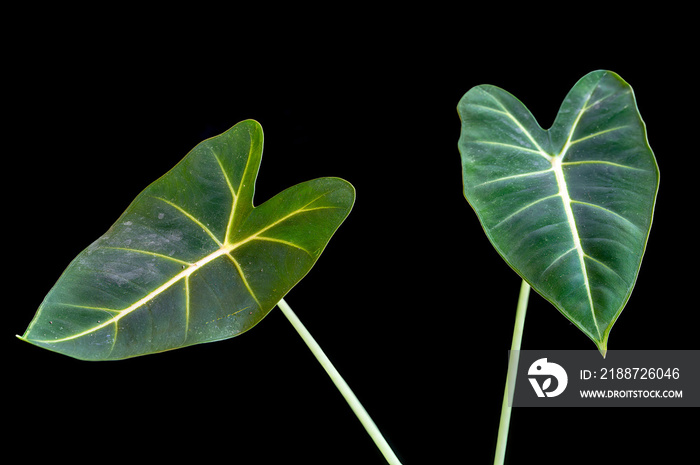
[
  {"x": 504, "y": 424},
  {"x": 342, "y": 386}
]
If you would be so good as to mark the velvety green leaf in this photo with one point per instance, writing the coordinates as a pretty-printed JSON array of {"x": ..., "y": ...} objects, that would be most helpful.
[
  {"x": 191, "y": 260},
  {"x": 569, "y": 208}
]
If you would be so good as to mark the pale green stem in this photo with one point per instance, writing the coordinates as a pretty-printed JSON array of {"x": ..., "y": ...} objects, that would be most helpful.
[
  {"x": 342, "y": 386},
  {"x": 504, "y": 424}
]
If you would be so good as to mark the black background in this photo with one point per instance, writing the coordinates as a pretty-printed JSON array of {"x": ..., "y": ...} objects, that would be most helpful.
[{"x": 409, "y": 300}]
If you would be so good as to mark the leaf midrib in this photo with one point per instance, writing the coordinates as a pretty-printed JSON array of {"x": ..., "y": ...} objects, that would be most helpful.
[{"x": 571, "y": 219}]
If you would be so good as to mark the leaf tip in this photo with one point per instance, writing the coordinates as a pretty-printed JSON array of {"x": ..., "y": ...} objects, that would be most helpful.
[{"x": 603, "y": 349}]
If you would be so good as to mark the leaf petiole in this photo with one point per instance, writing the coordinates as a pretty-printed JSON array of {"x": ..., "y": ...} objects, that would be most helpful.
[
  {"x": 342, "y": 386},
  {"x": 504, "y": 424}
]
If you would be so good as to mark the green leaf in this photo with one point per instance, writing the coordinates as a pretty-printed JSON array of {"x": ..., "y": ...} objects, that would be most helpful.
[
  {"x": 191, "y": 260},
  {"x": 569, "y": 208}
]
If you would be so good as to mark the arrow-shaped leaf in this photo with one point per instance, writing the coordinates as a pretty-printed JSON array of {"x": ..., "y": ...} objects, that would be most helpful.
[
  {"x": 569, "y": 208},
  {"x": 191, "y": 260}
]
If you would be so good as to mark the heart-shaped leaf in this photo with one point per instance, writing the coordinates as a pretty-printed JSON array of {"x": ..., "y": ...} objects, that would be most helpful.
[
  {"x": 191, "y": 260},
  {"x": 569, "y": 208}
]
